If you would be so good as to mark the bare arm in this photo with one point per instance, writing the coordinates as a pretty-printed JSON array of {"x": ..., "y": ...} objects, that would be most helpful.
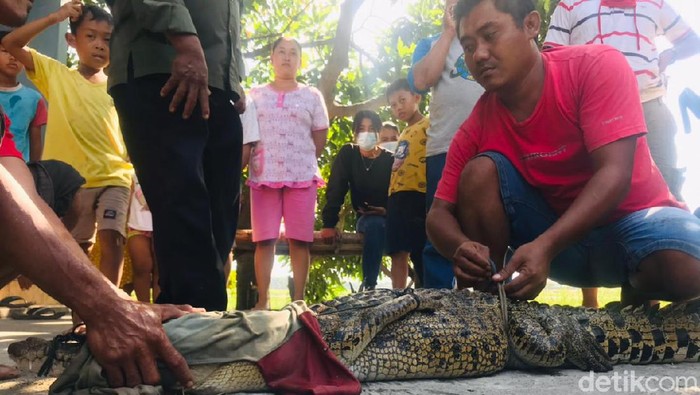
[
  {"x": 319, "y": 137},
  {"x": 427, "y": 71},
  {"x": 469, "y": 258},
  {"x": 16, "y": 41},
  {"x": 245, "y": 156},
  {"x": 124, "y": 336},
  {"x": 684, "y": 48},
  {"x": 36, "y": 144},
  {"x": 613, "y": 165}
]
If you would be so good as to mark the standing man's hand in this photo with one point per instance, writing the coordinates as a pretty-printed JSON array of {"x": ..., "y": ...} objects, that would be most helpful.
[
  {"x": 189, "y": 76},
  {"x": 532, "y": 261},
  {"x": 128, "y": 339},
  {"x": 240, "y": 104}
]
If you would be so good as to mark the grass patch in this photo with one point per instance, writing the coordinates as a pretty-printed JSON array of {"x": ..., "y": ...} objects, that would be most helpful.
[{"x": 553, "y": 294}]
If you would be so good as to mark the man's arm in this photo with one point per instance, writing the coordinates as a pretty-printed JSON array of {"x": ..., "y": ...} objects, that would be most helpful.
[
  {"x": 686, "y": 47},
  {"x": 613, "y": 164},
  {"x": 559, "y": 30},
  {"x": 16, "y": 41},
  {"x": 125, "y": 337},
  {"x": 426, "y": 72},
  {"x": 470, "y": 259}
]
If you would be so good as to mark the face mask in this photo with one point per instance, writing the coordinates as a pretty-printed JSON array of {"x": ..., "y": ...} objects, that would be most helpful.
[
  {"x": 367, "y": 140},
  {"x": 390, "y": 146}
]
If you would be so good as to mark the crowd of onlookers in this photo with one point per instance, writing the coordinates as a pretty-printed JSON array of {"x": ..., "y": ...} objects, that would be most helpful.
[{"x": 561, "y": 160}]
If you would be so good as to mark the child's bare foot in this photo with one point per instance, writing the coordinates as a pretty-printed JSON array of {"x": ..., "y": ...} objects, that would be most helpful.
[
  {"x": 260, "y": 307},
  {"x": 8, "y": 372}
]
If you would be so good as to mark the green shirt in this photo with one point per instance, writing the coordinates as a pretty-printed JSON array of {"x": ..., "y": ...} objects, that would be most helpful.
[{"x": 139, "y": 34}]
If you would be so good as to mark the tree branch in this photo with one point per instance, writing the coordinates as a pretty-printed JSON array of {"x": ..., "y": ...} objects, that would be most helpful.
[{"x": 338, "y": 60}]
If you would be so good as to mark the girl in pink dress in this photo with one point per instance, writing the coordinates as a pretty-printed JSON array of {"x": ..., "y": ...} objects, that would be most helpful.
[{"x": 284, "y": 171}]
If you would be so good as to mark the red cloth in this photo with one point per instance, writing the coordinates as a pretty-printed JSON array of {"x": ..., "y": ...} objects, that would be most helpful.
[
  {"x": 305, "y": 365},
  {"x": 589, "y": 99},
  {"x": 7, "y": 143}
]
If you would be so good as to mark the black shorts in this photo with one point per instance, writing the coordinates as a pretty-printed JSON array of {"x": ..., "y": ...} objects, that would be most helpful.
[
  {"x": 405, "y": 222},
  {"x": 56, "y": 182}
]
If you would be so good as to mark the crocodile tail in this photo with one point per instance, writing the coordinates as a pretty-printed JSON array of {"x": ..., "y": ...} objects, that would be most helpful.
[{"x": 647, "y": 335}]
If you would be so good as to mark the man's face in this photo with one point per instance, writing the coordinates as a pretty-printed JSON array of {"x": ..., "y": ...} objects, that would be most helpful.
[
  {"x": 14, "y": 12},
  {"x": 9, "y": 66},
  {"x": 92, "y": 43},
  {"x": 497, "y": 52}
]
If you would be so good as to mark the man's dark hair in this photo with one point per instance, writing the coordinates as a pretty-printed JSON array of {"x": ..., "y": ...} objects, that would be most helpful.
[
  {"x": 91, "y": 13},
  {"x": 518, "y": 9},
  {"x": 3, "y": 33},
  {"x": 371, "y": 115},
  {"x": 399, "y": 85}
]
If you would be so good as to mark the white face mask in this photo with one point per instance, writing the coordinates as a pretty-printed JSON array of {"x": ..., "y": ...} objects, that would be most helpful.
[
  {"x": 390, "y": 146},
  {"x": 367, "y": 140}
]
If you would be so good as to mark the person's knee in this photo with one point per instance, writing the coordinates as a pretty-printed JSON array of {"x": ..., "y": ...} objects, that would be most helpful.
[
  {"x": 670, "y": 273},
  {"x": 479, "y": 176}
]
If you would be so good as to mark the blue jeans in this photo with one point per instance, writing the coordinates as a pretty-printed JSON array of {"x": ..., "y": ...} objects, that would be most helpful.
[
  {"x": 437, "y": 271},
  {"x": 373, "y": 227},
  {"x": 608, "y": 254}
]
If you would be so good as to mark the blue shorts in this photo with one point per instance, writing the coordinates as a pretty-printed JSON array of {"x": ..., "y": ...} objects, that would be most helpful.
[{"x": 607, "y": 256}]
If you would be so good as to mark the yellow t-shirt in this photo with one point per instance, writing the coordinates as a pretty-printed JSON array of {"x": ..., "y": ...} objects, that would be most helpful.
[
  {"x": 82, "y": 128},
  {"x": 408, "y": 171}
]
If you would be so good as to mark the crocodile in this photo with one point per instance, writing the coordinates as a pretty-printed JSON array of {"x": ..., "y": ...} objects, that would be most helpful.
[{"x": 425, "y": 333}]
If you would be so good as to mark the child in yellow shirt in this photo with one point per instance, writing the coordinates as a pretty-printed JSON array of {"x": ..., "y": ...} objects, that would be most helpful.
[{"x": 405, "y": 218}]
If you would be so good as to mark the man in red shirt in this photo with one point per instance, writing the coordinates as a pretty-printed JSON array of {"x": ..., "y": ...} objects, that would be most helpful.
[{"x": 553, "y": 162}]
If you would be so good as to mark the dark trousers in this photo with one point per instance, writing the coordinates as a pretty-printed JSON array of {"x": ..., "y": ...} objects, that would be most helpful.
[{"x": 189, "y": 171}]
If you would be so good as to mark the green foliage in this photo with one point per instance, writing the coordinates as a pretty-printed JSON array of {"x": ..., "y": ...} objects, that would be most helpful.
[{"x": 368, "y": 73}]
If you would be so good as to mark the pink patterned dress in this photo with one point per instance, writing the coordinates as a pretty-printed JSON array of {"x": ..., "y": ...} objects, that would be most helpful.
[{"x": 285, "y": 156}]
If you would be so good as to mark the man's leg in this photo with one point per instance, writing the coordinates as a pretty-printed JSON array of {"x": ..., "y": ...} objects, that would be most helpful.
[
  {"x": 437, "y": 270},
  {"x": 373, "y": 227},
  {"x": 222, "y": 170},
  {"x": 167, "y": 152},
  {"x": 661, "y": 136},
  {"x": 663, "y": 247}
]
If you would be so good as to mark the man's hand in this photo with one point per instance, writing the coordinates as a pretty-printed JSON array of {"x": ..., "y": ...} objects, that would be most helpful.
[
  {"x": 532, "y": 261},
  {"x": 471, "y": 264},
  {"x": 329, "y": 235},
  {"x": 189, "y": 76},
  {"x": 372, "y": 210},
  {"x": 666, "y": 58},
  {"x": 71, "y": 9},
  {"x": 240, "y": 104},
  {"x": 127, "y": 340}
]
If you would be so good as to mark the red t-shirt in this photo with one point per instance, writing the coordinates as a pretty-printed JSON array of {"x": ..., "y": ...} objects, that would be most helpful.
[
  {"x": 7, "y": 143},
  {"x": 589, "y": 99}
]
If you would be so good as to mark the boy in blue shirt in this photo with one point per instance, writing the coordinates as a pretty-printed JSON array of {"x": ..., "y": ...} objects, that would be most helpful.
[{"x": 24, "y": 106}]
